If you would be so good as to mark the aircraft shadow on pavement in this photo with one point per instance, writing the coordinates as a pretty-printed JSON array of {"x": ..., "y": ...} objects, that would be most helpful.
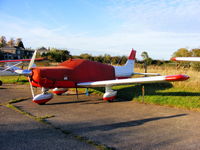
[
  {"x": 68, "y": 102},
  {"x": 126, "y": 124}
]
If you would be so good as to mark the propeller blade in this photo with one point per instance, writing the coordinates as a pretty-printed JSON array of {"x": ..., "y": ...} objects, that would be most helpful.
[
  {"x": 31, "y": 87},
  {"x": 32, "y": 60},
  {"x": 11, "y": 67}
]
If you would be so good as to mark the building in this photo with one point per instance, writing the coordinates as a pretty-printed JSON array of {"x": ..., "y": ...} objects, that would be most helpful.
[
  {"x": 43, "y": 50},
  {"x": 16, "y": 52}
]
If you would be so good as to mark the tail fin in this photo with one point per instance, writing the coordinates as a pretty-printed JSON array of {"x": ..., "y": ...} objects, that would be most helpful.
[
  {"x": 132, "y": 55},
  {"x": 128, "y": 69}
]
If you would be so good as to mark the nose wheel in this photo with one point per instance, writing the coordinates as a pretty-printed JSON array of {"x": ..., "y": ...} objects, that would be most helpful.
[{"x": 42, "y": 98}]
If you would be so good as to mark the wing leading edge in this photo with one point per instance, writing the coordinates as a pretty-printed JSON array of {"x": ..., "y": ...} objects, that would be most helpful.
[{"x": 169, "y": 78}]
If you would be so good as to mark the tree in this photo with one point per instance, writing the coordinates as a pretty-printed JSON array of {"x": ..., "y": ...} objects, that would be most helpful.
[
  {"x": 107, "y": 59},
  {"x": 19, "y": 43},
  {"x": 98, "y": 58},
  {"x": 115, "y": 59},
  {"x": 182, "y": 52},
  {"x": 57, "y": 55},
  {"x": 123, "y": 60},
  {"x": 3, "y": 42},
  {"x": 146, "y": 58},
  {"x": 11, "y": 42},
  {"x": 195, "y": 53},
  {"x": 86, "y": 56}
]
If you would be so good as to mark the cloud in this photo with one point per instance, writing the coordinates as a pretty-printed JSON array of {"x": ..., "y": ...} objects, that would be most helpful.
[
  {"x": 176, "y": 15},
  {"x": 158, "y": 27}
]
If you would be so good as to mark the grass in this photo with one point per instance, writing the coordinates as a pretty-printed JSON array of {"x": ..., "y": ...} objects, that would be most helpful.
[
  {"x": 185, "y": 94},
  {"x": 17, "y": 100},
  {"x": 193, "y": 84},
  {"x": 14, "y": 79}
]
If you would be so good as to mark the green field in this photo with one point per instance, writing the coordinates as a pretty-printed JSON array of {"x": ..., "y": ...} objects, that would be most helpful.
[{"x": 14, "y": 79}]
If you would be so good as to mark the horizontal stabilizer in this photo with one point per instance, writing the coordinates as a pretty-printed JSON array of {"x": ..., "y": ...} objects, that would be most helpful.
[{"x": 132, "y": 55}]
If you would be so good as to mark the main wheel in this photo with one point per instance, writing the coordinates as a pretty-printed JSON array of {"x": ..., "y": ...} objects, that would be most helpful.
[{"x": 1, "y": 82}]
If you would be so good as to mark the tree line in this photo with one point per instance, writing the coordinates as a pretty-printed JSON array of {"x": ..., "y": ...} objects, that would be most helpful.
[
  {"x": 59, "y": 55},
  {"x": 11, "y": 43}
]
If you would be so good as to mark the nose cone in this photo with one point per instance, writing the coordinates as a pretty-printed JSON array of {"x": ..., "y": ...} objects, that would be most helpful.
[{"x": 23, "y": 72}]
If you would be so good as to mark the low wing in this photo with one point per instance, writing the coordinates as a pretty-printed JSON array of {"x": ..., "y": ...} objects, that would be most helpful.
[
  {"x": 186, "y": 59},
  {"x": 168, "y": 78},
  {"x": 16, "y": 60}
]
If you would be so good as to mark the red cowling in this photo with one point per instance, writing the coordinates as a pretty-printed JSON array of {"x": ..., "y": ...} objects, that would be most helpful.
[{"x": 70, "y": 72}]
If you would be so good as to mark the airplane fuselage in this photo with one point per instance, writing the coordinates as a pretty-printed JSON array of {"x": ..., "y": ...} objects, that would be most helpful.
[{"x": 71, "y": 72}]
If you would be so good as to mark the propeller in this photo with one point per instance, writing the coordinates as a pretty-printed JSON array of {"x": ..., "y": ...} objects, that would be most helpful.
[
  {"x": 29, "y": 71},
  {"x": 11, "y": 66},
  {"x": 32, "y": 60},
  {"x": 31, "y": 87}
]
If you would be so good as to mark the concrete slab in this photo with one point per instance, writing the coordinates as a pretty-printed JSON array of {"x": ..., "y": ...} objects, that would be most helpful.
[
  {"x": 121, "y": 125},
  {"x": 11, "y": 91},
  {"x": 19, "y": 132}
]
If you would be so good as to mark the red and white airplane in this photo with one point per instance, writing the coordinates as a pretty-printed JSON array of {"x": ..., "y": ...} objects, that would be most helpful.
[
  {"x": 80, "y": 73},
  {"x": 195, "y": 59}
]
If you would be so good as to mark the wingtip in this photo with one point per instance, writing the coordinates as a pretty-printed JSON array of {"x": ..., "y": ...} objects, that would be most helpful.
[
  {"x": 173, "y": 59},
  {"x": 179, "y": 77}
]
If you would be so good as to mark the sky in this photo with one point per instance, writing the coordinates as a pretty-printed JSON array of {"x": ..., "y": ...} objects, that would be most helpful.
[{"x": 159, "y": 27}]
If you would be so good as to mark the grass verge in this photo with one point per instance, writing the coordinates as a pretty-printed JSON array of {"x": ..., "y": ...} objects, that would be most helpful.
[{"x": 14, "y": 79}]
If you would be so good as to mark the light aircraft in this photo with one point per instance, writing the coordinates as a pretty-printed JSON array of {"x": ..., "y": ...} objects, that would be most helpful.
[
  {"x": 81, "y": 73},
  {"x": 195, "y": 59}
]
